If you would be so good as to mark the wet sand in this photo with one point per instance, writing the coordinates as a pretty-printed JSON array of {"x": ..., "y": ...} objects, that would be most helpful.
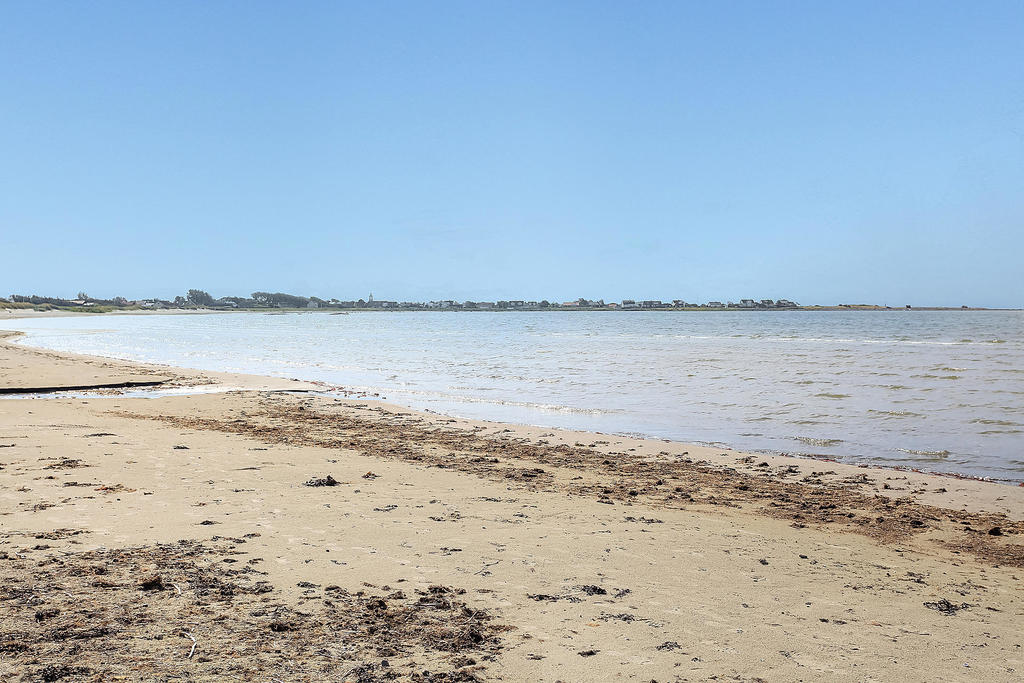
[{"x": 193, "y": 536}]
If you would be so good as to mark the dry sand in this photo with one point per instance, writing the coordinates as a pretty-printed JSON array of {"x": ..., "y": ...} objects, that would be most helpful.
[{"x": 176, "y": 538}]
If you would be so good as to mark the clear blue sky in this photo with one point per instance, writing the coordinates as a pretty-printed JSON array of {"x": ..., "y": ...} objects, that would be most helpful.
[{"x": 822, "y": 151}]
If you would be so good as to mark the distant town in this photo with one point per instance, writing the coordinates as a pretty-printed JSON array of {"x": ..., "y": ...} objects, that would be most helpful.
[{"x": 197, "y": 299}]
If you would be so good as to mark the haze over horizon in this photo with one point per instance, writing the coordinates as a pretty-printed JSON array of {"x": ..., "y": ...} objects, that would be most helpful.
[{"x": 862, "y": 154}]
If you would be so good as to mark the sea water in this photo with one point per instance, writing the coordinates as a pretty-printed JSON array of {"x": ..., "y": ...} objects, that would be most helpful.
[{"x": 935, "y": 390}]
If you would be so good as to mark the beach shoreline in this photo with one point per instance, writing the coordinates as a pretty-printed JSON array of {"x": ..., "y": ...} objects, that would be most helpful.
[
  {"x": 588, "y": 556},
  {"x": 32, "y": 313}
]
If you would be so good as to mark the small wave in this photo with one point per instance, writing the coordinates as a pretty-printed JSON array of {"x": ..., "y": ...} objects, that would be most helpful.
[
  {"x": 929, "y": 454},
  {"x": 443, "y": 397},
  {"x": 826, "y": 395},
  {"x": 821, "y": 443},
  {"x": 998, "y": 423},
  {"x": 893, "y": 413}
]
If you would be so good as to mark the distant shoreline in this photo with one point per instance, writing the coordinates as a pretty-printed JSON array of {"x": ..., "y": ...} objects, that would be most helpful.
[{"x": 21, "y": 313}]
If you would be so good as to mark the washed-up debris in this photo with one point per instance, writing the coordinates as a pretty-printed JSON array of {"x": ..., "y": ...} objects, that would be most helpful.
[
  {"x": 544, "y": 597},
  {"x": 326, "y": 481},
  {"x": 55, "y": 534},
  {"x": 116, "y": 488},
  {"x": 946, "y": 607},
  {"x": 152, "y": 583},
  {"x": 668, "y": 646},
  {"x": 574, "y": 595},
  {"x": 79, "y": 608},
  {"x": 621, "y": 616},
  {"x": 67, "y": 464},
  {"x": 644, "y": 520},
  {"x": 58, "y": 672},
  {"x": 452, "y": 516},
  {"x": 524, "y": 473}
]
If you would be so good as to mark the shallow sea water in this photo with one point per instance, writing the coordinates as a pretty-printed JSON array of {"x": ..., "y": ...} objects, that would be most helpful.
[{"x": 934, "y": 390}]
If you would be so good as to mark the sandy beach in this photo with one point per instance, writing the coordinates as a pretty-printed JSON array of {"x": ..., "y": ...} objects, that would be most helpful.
[{"x": 262, "y": 530}]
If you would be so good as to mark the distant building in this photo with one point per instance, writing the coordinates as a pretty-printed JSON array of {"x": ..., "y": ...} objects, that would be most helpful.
[
  {"x": 716, "y": 304},
  {"x": 629, "y": 303},
  {"x": 651, "y": 303}
]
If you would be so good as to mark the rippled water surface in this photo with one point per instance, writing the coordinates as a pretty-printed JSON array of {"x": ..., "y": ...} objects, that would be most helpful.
[{"x": 934, "y": 390}]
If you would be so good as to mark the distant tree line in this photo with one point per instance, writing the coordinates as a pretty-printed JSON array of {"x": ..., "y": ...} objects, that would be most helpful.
[
  {"x": 83, "y": 298},
  {"x": 280, "y": 300},
  {"x": 203, "y": 299},
  {"x": 198, "y": 297}
]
